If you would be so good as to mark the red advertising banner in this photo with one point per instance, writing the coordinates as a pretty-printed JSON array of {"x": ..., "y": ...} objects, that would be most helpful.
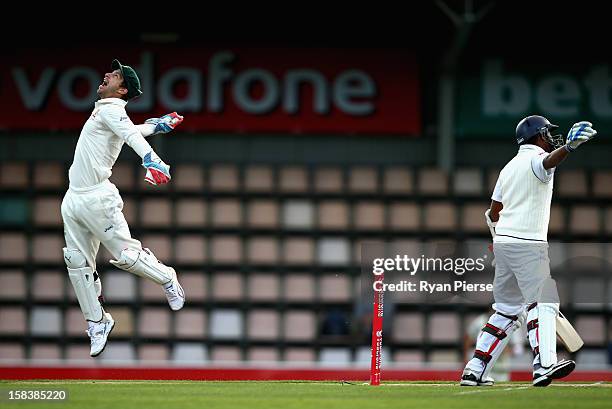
[{"x": 297, "y": 90}]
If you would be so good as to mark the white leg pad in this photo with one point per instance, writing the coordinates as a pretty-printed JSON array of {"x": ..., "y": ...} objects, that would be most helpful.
[
  {"x": 82, "y": 279},
  {"x": 496, "y": 354},
  {"x": 511, "y": 326},
  {"x": 547, "y": 333},
  {"x": 493, "y": 340},
  {"x": 532, "y": 334},
  {"x": 145, "y": 264}
]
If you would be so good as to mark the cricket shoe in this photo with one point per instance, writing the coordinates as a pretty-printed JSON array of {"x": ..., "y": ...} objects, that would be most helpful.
[
  {"x": 98, "y": 333},
  {"x": 174, "y": 292},
  {"x": 544, "y": 376},
  {"x": 471, "y": 378}
]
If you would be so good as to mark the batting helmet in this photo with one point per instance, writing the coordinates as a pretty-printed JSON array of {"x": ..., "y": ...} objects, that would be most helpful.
[{"x": 531, "y": 126}]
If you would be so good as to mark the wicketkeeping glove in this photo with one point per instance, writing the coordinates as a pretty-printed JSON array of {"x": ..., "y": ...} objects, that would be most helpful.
[
  {"x": 158, "y": 172},
  {"x": 580, "y": 133},
  {"x": 166, "y": 123}
]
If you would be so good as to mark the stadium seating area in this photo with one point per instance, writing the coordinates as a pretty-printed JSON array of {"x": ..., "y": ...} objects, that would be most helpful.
[{"x": 269, "y": 257}]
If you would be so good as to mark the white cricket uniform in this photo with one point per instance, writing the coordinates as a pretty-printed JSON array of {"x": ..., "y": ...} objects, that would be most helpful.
[
  {"x": 522, "y": 270},
  {"x": 92, "y": 207},
  {"x": 524, "y": 187}
]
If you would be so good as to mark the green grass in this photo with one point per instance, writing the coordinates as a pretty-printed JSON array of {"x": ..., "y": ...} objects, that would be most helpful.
[{"x": 318, "y": 395}]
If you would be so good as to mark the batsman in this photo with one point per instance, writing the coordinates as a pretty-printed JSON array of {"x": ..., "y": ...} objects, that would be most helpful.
[
  {"x": 523, "y": 289},
  {"x": 92, "y": 207}
]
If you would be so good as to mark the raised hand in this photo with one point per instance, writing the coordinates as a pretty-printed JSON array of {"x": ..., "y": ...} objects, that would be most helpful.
[
  {"x": 158, "y": 173},
  {"x": 580, "y": 133},
  {"x": 166, "y": 123}
]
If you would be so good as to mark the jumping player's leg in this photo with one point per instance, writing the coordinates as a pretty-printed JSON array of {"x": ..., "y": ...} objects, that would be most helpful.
[
  {"x": 79, "y": 255},
  {"x": 128, "y": 253}
]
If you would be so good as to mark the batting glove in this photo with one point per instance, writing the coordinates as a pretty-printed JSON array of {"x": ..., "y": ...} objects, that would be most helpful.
[
  {"x": 522, "y": 317},
  {"x": 166, "y": 123},
  {"x": 490, "y": 222},
  {"x": 580, "y": 133},
  {"x": 158, "y": 173}
]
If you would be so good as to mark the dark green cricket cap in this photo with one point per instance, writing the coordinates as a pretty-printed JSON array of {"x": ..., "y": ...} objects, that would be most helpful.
[{"x": 130, "y": 79}]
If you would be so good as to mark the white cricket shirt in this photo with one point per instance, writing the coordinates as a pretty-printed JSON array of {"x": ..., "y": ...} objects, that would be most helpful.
[
  {"x": 100, "y": 142},
  {"x": 525, "y": 189}
]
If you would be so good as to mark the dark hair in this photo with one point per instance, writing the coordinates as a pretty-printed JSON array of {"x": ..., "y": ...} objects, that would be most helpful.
[{"x": 125, "y": 96}]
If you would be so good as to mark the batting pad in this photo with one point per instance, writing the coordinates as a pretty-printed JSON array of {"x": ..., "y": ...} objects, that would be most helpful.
[
  {"x": 86, "y": 287},
  {"x": 492, "y": 341},
  {"x": 547, "y": 333},
  {"x": 144, "y": 264},
  {"x": 82, "y": 280}
]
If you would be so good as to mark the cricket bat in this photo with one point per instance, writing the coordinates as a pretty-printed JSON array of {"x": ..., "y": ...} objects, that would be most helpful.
[{"x": 567, "y": 334}]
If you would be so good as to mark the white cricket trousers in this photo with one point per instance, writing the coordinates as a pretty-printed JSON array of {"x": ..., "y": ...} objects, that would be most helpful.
[
  {"x": 522, "y": 276},
  {"x": 93, "y": 215}
]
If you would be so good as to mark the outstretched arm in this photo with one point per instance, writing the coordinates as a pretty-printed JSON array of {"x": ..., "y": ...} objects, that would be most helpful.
[
  {"x": 580, "y": 133},
  {"x": 555, "y": 158},
  {"x": 145, "y": 130},
  {"x": 121, "y": 125},
  {"x": 164, "y": 124}
]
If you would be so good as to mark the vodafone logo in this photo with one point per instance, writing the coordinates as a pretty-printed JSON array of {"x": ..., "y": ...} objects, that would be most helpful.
[
  {"x": 241, "y": 90},
  {"x": 351, "y": 91}
]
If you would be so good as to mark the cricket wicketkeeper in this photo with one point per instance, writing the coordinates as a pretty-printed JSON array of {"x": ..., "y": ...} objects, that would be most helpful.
[
  {"x": 523, "y": 289},
  {"x": 92, "y": 207}
]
